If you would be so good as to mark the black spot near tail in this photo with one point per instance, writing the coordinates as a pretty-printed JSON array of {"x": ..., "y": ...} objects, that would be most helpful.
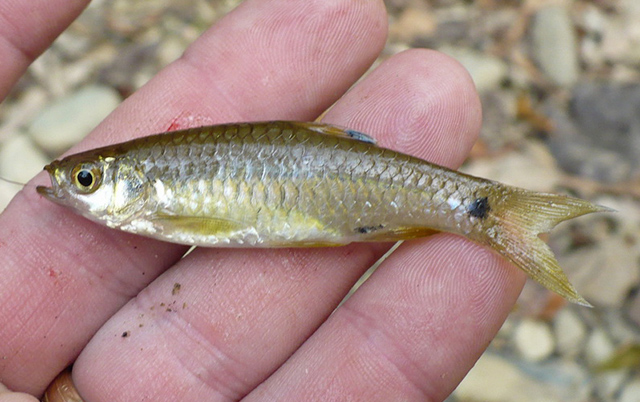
[{"x": 479, "y": 208}]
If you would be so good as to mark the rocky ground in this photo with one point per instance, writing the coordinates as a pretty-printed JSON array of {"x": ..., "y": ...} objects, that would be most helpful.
[{"x": 560, "y": 84}]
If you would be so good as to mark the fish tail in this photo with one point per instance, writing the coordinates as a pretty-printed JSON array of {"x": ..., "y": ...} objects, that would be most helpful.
[{"x": 521, "y": 216}]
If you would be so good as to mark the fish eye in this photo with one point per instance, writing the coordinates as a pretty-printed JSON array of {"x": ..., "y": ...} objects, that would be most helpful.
[{"x": 86, "y": 178}]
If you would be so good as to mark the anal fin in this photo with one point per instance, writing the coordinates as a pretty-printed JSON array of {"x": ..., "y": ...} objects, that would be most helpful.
[{"x": 402, "y": 233}]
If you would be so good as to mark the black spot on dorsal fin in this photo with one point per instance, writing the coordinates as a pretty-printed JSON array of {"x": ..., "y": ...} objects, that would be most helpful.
[{"x": 357, "y": 135}]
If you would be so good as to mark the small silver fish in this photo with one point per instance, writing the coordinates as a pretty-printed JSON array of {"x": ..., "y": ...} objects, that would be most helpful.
[{"x": 291, "y": 184}]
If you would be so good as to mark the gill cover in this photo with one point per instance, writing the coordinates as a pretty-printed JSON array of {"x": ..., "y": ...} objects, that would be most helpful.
[{"x": 130, "y": 190}]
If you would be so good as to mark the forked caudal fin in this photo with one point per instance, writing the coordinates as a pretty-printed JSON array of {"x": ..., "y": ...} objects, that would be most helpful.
[{"x": 521, "y": 217}]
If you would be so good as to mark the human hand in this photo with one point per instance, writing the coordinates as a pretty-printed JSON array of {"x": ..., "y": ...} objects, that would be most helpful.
[{"x": 252, "y": 323}]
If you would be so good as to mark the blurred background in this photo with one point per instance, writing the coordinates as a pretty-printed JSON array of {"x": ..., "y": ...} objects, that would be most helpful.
[{"x": 560, "y": 87}]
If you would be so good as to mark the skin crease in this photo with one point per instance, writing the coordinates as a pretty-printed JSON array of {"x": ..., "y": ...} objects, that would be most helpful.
[{"x": 252, "y": 324}]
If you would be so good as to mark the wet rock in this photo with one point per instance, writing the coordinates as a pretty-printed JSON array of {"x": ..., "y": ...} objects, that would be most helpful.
[
  {"x": 67, "y": 120},
  {"x": 554, "y": 45}
]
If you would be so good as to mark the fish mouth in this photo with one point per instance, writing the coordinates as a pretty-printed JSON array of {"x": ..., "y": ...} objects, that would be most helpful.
[{"x": 52, "y": 193}]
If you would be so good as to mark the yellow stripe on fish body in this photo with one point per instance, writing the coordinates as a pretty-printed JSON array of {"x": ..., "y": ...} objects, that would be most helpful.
[{"x": 289, "y": 184}]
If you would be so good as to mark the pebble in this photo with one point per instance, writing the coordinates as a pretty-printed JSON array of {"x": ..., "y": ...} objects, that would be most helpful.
[
  {"x": 599, "y": 136},
  {"x": 20, "y": 160},
  {"x": 533, "y": 340},
  {"x": 591, "y": 23},
  {"x": 599, "y": 347},
  {"x": 414, "y": 23},
  {"x": 631, "y": 392},
  {"x": 7, "y": 192},
  {"x": 498, "y": 379},
  {"x": 607, "y": 115},
  {"x": 530, "y": 167},
  {"x": 486, "y": 71},
  {"x": 621, "y": 37},
  {"x": 500, "y": 126},
  {"x": 608, "y": 385},
  {"x": 67, "y": 120},
  {"x": 606, "y": 272},
  {"x": 634, "y": 309},
  {"x": 554, "y": 45},
  {"x": 570, "y": 333}
]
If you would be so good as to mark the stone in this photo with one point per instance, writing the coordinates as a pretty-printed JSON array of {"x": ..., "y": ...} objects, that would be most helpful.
[
  {"x": 599, "y": 347},
  {"x": 414, "y": 23},
  {"x": 599, "y": 136},
  {"x": 531, "y": 167},
  {"x": 608, "y": 385},
  {"x": 533, "y": 340},
  {"x": 606, "y": 272},
  {"x": 66, "y": 121},
  {"x": 570, "y": 333},
  {"x": 633, "y": 311},
  {"x": 497, "y": 379},
  {"x": 486, "y": 71},
  {"x": 20, "y": 159},
  {"x": 554, "y": 45},
  {"x": 7, "y": 192},
  {"x": 631, "y": 392}
]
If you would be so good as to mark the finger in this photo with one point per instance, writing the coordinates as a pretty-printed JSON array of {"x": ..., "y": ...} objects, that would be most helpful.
[
  {"x": 433, "y": 112},
  {"x": 27, "y": 28},
  {"x": 246, "y": 311},
  {"x": 61, "y": 271},
  {"x": 422, "y": 320},
  {"x": 8, "y": 396},
  {"x": 411, "y": 332}
]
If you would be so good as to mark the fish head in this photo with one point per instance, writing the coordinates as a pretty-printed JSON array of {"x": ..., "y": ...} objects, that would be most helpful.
[{"x": 105, "y": 189}]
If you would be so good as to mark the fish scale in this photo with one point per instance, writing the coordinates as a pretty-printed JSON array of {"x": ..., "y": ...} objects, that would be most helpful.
[{"x": 292, "y": 184}]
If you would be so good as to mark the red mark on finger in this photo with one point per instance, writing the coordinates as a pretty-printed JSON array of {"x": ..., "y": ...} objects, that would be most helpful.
[{"x": 187, "y": 120}]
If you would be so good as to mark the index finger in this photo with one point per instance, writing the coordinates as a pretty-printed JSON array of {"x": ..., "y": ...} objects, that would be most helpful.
[
  {"x": 26, "y": 29},
  {"x": 61, "y": 271}
]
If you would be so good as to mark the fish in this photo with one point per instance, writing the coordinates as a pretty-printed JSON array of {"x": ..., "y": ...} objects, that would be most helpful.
[{"x": 301, "y": 184}]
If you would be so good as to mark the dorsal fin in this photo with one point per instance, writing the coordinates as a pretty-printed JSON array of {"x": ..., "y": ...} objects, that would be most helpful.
[{"x": 328, "y": 129}]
